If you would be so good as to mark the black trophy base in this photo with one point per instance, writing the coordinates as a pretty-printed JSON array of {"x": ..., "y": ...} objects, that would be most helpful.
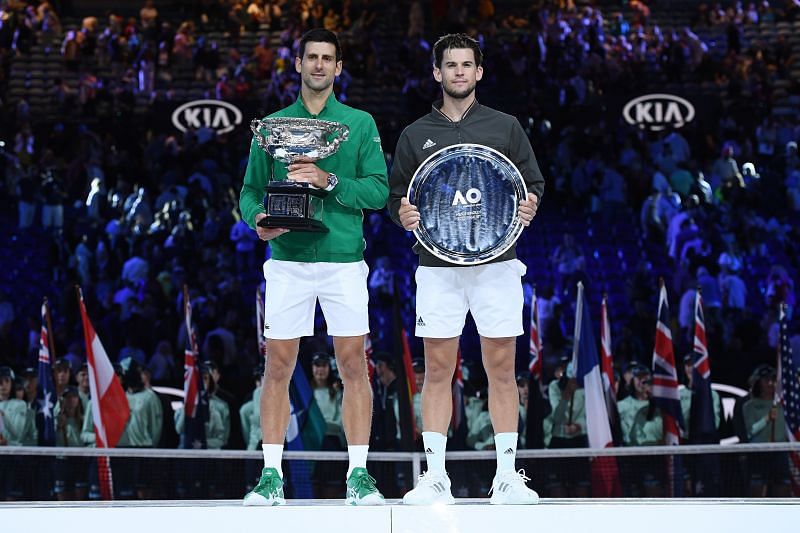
[{"x": 293, "y": 224}]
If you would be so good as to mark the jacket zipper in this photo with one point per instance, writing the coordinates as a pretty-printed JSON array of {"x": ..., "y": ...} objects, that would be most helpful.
[{"x": 457, "y": 125}]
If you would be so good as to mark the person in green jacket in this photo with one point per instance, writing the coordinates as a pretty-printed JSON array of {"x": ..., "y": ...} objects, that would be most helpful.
[
  {"x": 765, "y": 422},
  {"x": 249, "y": 413},
  {"x": 143, "y": 430},
  {"x": 218, "y": 425},
  {"x": 685, "y": 392},
  {"x": 328, "y": 395},
  {"x": 71, "y": 473},
  {"x": 418, "y": 365},
  {"x": 480, "y": 433},
  {"x": 250, "y": 422},
  {"x": 15, "y": 425},
  {"x": 329, "y": 266},
  {"x": 641, "y": 425},
  {"x": 568, "y": 417},
  {"x": 82, "y": 378}
]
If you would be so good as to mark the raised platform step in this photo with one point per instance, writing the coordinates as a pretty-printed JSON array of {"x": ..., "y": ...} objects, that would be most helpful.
[{"x": 467, "y": 516}]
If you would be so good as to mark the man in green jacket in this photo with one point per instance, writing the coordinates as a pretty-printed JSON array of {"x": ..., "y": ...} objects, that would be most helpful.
[{"x": 330, "y": 267}]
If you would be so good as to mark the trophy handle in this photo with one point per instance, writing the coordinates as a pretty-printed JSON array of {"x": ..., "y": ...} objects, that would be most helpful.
[
  {"x": 255, "y": 126},
  {"x": 342, "y": 132}
]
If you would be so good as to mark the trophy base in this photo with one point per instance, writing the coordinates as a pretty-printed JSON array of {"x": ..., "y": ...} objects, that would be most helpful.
[{"x": 293, "y": 224}]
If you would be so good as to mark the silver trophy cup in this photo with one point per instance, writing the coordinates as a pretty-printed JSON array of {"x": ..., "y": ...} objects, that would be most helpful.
[
  {"x": 292, "y": 205},
  {"x": 467, "y": 196}
]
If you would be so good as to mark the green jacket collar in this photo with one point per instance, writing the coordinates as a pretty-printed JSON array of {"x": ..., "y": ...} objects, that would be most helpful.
[{"x": 330, "y": 104}]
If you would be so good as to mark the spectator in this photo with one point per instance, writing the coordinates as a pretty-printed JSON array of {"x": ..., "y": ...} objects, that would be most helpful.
[
  {"x": 71, "y": 482},
  {"x": 764, "y": 422},
  {"x": 15, "y": 430},
  {"x": 641, "y": 425},
  {"x": 143, "y": 430},
  {"x": 328, "y": 395}
]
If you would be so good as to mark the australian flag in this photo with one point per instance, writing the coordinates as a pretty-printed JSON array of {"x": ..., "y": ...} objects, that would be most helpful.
[
  {"x": 46, "y": 391},
  {"x": 702, "y": 426},
  {"x": 790, "y": 392},
  {"x": 665, "y": 392},
  {"x": 305, "y": 432}
]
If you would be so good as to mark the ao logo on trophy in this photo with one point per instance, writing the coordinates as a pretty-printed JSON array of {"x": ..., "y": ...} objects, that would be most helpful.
[
  {"x": 220, "y": 116},
  {"x": 473, "y": 196},
  {"x": 657, "y": 112}
]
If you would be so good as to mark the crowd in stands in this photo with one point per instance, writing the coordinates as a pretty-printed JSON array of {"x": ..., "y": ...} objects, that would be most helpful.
[{"x": 96, "y": 195}]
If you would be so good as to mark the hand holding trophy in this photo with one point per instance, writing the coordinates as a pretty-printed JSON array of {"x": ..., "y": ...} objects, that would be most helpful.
[{"x": 294, "y": 205}]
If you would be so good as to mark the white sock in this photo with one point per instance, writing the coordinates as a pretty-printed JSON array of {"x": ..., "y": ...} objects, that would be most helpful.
[
  {"x": 358, "y": 457},
  {"x": 273, "y": 453},
  {"x": 506, "y": 446},
  {"x": 435, "y": 445}
]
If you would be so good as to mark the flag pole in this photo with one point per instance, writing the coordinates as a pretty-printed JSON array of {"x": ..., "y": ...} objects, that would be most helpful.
[{"x": 775, "y": 398}]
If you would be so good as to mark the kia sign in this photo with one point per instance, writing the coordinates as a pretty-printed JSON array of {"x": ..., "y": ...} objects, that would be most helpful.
[
  {"x": 657, "y": 112},
  {"x": 220, "y": 116}
]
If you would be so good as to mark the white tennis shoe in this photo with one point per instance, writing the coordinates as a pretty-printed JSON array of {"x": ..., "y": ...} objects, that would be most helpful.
[
  {"x": 433, "y": 487},
  {"x": 508, "y": 488}
]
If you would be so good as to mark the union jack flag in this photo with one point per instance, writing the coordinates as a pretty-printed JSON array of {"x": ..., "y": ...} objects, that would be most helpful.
[
  {"x": 789, "y": 391},
  {"x": 701, "y": 363},
  {"x": 535, "y": 349},
  {"x": 702, "y": 426},
  {"x": 607, "y": 362},
  {"x": 195, "y": 402},
  {"x": 665, "y": 390}
]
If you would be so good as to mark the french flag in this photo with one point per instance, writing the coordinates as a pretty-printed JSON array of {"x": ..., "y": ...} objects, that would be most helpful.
[
  {"x": 110, "y": 410},
  {"x": 605, "y": 473}
]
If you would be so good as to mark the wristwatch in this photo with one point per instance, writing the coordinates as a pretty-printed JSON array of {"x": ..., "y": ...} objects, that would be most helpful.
[{"x": 333, "y": 179}]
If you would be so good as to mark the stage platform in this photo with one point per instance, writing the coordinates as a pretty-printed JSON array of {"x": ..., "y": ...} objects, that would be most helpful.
[{"x": 468, "y": 516}]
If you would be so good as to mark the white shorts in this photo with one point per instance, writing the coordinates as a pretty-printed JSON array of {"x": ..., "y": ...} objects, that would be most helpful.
[
  {"x": 492, "y": 293},
  {"x": 292, "y": 290}
]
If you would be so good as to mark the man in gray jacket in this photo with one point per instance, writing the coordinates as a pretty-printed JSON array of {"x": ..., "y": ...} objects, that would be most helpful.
[{"x": 492, "y": 292}]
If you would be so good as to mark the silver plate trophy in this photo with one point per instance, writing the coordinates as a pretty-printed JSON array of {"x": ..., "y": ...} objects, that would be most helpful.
[
  {"x": 467, "y": 196},
  {"x": 292, "y": 205}
]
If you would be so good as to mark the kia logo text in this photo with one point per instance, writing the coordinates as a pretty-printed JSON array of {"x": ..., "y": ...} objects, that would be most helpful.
[
  {"x": 220, "y": 116},
  {"x": 657, "y": 112}
]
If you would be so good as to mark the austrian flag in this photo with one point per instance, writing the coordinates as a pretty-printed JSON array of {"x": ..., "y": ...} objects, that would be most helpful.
[{"x": 110, "y": 409}]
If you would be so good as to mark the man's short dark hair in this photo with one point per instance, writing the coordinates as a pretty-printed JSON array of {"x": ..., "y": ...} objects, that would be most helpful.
[
  {"x": 319, "y": 35},
  {"x": 456, "y": 40}
]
